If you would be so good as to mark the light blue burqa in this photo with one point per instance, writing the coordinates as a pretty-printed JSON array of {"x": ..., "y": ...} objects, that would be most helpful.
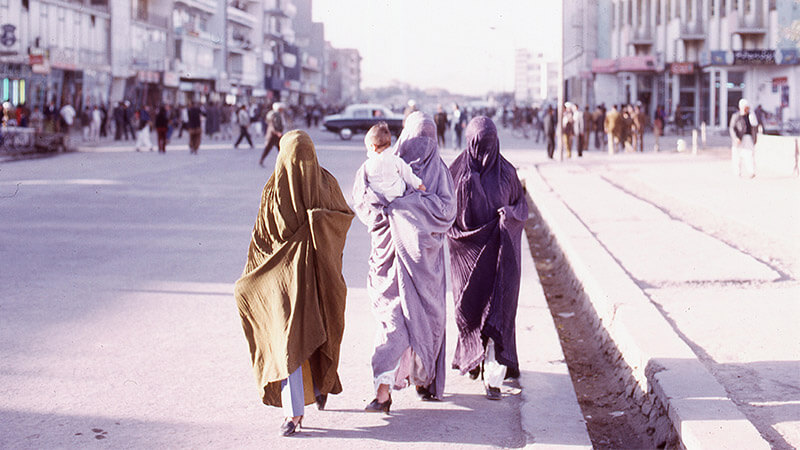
[{"x": 406, "y": 280}]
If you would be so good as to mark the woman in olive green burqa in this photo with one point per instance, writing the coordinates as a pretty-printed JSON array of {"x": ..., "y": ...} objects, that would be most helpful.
[{"x": 291, "y": 297}]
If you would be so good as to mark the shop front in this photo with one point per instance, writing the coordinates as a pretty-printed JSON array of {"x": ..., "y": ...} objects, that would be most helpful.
[
  {"x": 195, "y": 90},
  {"x": 763, "y": 76},
  {"x": 625, "y": 80}
]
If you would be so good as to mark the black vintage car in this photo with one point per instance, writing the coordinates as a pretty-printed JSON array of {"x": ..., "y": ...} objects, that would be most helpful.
[{"x": 360, "y": 117}]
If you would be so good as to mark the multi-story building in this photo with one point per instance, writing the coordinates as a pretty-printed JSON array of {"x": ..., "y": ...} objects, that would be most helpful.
[
  {"x": 243, "y": 65},
  {"x": 87, "y": 52},
  {"x": 280, "y": 54},
  {"x": 54, "y": 51},
  {"x": 343, "y": 76},
  {"x": 535, "y": 78},
  {"x": 198, "y": 28},
  {"x": 701, "y": 55},
  {"x": 310, "y": 37},
  {"x": 579, "y": 50},
  {"x": 139, "y": 51}
]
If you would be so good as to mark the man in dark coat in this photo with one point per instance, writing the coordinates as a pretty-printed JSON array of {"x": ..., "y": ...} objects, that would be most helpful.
[
  {"x": 195, "y": 127},
  {"x": 440, "y": 119},
  {"x": 549, "y": 125}
]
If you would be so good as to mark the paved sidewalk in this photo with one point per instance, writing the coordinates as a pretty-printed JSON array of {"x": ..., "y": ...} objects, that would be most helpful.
[{"x": 715, "y": 262}]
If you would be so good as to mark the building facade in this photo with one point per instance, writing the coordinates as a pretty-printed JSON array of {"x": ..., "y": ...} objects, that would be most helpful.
[
  {"x": 535, "y": 78},
  {"x": 147, "y": 52},
  {"x": 697, "y": 56},
  {"x": 55, "y": 51},
  {"x": 343, "y": 76}
]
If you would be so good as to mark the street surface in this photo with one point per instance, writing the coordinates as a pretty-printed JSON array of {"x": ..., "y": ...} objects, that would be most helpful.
[{"x": 118, "y": 326}]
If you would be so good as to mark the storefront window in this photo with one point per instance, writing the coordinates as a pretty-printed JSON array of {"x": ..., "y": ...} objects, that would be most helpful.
[
  {"x": 736, "y": 80},
  {"x": 735, "y": 92}
]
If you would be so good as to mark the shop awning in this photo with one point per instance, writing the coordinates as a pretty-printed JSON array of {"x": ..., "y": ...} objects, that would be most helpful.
[
  {"x": 642, "y": 63},
  {"x": 600, "y": 65}
]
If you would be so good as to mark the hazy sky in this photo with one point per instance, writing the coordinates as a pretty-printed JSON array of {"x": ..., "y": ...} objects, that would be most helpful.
[{"x": 465, "y": 46}]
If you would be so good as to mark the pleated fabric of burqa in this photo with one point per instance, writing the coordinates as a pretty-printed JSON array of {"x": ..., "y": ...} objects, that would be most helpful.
[
  {"x": 406, "y": 280},
  {"x": 485, "y": 243},
  {"x": 291, "y": 296}
]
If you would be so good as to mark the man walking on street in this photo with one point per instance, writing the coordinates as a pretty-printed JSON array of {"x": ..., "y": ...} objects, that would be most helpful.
[
  {"x": 599, "y": 117},
  {"x": 744, "y": 132},
  {"x": 194, "y": 125},
  {"x": 567, "y": 129},
  {"x": 613, "y": 127},
  {"x": 549, "y": 126},
  {"x": 579, "y": 125},
  {"x": 440, "y": 119},
  {"x": 127, "y": 121},
  {"x": 275, "y": 124},
  {"x": 243, "y": 119},
  {"x": 639, "y": 122}
]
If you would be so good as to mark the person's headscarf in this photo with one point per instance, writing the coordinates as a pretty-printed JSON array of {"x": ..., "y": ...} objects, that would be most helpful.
[
  {"x": 406, "y": 281},
  {"x": 291, "y": 295},
  {"x": 485, "y": 243}
]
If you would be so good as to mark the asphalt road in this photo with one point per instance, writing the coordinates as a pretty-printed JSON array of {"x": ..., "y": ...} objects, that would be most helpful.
[{"x": 118, "y": 325}]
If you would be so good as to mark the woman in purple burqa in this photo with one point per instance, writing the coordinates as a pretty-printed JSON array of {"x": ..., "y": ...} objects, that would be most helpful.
[
  {"x": 485, "y": 243},
  {"x": 406, "y": 280}
]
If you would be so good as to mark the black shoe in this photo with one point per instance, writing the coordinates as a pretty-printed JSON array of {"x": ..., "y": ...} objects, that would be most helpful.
[
  {"x": 493, "y": 393},
  {"x": 321, "y": 400},
  {"x": 425, "y": 395},
  {"x": 288, "y": 427},
  {"x": 475, "y": 373},
  {"x": 512, "y": 372},
  {"x": 376, "y": 406}
]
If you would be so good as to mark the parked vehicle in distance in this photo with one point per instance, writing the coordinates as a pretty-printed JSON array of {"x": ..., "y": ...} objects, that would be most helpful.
[{"x": 360, "y": 117}]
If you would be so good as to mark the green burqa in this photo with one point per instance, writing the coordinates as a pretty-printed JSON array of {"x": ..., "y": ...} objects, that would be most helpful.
[{"x": 291, "y": 296}]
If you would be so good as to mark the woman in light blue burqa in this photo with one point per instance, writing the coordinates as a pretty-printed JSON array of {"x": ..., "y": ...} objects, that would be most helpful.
[{"x": 406, "y": 280}]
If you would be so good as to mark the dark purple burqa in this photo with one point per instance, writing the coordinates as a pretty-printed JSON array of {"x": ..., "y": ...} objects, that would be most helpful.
[
  {"x": 485, "y": 243},
  {"x": 406, "y": 280}
]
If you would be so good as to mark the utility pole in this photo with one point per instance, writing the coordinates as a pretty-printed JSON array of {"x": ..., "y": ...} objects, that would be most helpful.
[{"x": 560, "y": 110}]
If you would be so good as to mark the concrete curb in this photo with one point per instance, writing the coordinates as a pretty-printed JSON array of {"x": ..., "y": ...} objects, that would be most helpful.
[
  {"x": 661, "y": 363},
  {"x": 550, "y": 414}
]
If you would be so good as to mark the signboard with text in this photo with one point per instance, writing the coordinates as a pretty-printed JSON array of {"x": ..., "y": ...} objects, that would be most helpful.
[{"x": 753, "y": 57}]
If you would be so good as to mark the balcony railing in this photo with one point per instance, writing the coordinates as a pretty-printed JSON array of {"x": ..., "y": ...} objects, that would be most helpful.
[
  {"x": 240, "y": 44},
  {"x": 750, "y": 23},
  {"x": 275, "y": 12},
  {"x": 693, "y": 31},
  {"x": 242, "y": 17},
  {"x": 78, "y": 57},
  {"x": 642, "y": 36},
  {"x": 209, "y": 6},
  {"x": 152, "y": 19}
]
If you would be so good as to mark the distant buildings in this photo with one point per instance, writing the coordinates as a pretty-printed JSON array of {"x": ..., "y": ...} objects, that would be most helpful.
[
  {"x": 87, "y": 52},
  {"x": 343, "y": 71},
  {"x": 535, "y": 78},
  {"x": 703, "y": 55}
]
